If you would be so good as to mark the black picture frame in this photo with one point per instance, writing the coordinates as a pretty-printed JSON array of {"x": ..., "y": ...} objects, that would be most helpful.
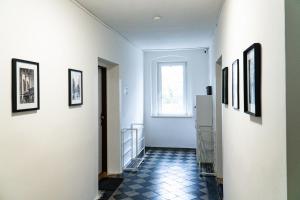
[
  {"x": 25, "y": 85},
  {"x": 225, "y": 86},
  {"x": 236, "y": 84},
  {"x": 252, "y": 80},
  {"x": 72, "y": 92}
]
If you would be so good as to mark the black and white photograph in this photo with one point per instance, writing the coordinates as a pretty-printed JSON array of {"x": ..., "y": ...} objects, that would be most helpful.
[
  {"x": 225, "y": 85},
  {"x": 75, "y": 88},
  {"x": 252, "y": 82},
  {"x": 235, "y": 85},
  {"x": 25, "y": 85}
]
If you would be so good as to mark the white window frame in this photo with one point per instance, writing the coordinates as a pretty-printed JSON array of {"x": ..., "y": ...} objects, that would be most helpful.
[{"x": 159, "y": 92}]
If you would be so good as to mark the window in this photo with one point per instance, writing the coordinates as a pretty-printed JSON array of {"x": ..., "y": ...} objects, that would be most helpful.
[{"x": 172, "y": 89}]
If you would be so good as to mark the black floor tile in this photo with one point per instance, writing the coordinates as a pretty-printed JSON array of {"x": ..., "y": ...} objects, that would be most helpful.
[{"x": 166, "y": 174}]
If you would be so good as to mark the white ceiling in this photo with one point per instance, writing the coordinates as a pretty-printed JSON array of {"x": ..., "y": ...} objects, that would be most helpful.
[{"x": 184, "y": 23}]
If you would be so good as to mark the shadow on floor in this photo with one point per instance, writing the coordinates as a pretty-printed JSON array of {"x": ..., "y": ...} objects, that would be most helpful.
[
  {"x": 108, "y": 186},
  {"x": 212, "y": 188}
]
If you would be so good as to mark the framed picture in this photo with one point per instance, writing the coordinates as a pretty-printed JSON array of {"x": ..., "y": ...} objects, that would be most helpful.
[
  {"x": 25, "y": 86},
  {"x": 75, "y": 87},
  {"x": 252, "y": 80},
  {"x": 225, "y": 85},
  {"x": 235, "y": 85}
]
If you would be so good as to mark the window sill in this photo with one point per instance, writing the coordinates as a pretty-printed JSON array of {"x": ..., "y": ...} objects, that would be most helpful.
[{"x": 172, "y": 116}]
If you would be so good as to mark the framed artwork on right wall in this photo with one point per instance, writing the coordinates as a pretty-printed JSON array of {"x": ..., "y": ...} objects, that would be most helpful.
[
  {"x": 252, "y": 80},
  {"x": 225, "y": 86},
  {"x": 235, "y": 85}
]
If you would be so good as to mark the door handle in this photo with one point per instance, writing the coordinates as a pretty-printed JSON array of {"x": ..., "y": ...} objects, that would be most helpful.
[{"x": 102, "y": 118}]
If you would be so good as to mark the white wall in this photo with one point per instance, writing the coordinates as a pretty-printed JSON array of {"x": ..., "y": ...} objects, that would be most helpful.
[
  {"x": 174, "y": 132},
  {"x": 52, "y": 153},
  {"x": 292, "y": 10},
  {"x": 254, "y": 149}
]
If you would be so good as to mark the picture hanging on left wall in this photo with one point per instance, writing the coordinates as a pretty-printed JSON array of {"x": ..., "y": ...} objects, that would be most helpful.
[
  {"x": 25, "y": 86},
  {"x": 75, "y": 88}
]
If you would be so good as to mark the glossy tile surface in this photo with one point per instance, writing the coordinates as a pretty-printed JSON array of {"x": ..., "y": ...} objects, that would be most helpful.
[{"x": 165, "y": 174}]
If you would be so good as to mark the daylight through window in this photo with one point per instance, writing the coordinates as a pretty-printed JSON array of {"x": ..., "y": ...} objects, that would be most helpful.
[{"x": 172, "y": 89}]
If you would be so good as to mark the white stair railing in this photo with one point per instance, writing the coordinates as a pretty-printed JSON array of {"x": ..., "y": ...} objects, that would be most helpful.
[{"x": 133, "y": 144}]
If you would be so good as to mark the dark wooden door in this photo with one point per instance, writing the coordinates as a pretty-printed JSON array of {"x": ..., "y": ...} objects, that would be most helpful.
[{"x": 103, "y": 117}]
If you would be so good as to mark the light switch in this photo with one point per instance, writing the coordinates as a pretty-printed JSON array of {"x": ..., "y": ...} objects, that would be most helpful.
[{"x": 126, "y": 91}]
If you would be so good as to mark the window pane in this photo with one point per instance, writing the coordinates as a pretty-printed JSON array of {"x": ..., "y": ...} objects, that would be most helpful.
[{"x": 172, "y": 89}]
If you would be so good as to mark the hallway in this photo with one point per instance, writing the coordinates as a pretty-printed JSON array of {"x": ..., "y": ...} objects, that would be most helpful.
[
  {"x": 184, "y": 83},
  {"x": 166, "y": 174}
]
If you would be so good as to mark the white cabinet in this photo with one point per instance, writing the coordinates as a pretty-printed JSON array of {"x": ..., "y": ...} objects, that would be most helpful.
[{"x": 204, "y": 113}]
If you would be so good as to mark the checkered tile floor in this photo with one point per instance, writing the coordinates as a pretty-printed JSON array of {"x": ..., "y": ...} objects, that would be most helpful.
[{"x": 163, "y": 175}]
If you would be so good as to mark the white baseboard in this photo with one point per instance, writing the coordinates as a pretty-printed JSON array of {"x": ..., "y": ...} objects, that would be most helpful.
[{"x": 97, "y": 197}]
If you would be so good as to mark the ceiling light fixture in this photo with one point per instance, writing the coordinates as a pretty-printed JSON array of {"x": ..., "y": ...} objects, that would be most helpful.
[{"x": 156, "y": 18}]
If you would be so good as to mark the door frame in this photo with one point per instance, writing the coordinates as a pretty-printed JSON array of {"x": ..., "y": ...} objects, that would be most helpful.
[
  {"x": 113, "y": 115},
  {"x": 218, "y": 118}
]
